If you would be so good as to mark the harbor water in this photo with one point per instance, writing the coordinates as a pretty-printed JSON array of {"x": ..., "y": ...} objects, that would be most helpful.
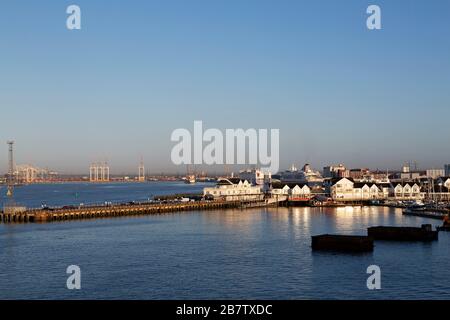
[{"x": 259, "y": 253}]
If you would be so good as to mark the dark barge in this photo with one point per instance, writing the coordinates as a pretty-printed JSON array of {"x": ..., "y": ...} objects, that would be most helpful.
[
  {"x": 342, "y": 243},
  {"x": 424, "y": 233}
]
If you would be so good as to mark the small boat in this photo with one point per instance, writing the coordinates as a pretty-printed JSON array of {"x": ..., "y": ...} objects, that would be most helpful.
[
  {"x": 424, "y": 233},
  {"x": 346, "y": 243},
  {"x": 190, "y": 179}
]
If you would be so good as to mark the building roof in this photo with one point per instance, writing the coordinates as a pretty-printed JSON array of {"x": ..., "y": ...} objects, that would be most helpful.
[
  {"x": 404, "y": 183},
  {"x": 362, "y": 184},
  {"x": 229, "y": 181},
  {"x": 280, "y": 185},
  {"x": 336, "y": 180}
]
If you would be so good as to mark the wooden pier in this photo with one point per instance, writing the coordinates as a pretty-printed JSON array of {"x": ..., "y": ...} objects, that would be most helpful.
[{"x": 90, "y": 212}]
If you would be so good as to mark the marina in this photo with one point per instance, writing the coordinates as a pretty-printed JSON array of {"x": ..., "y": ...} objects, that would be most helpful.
[
  {"x": 264, "y": 252},
  {"x": 244, "y": 152}
]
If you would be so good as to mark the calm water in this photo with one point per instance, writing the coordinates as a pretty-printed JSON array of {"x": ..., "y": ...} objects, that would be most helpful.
[{"x": 260, "y": 254}]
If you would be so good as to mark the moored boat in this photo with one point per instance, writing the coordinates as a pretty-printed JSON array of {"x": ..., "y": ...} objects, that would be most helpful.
[{"x": 190, "y": 179}]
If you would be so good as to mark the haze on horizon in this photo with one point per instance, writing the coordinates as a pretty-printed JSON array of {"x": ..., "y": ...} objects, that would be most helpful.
[{"x": 116, "y": 89}]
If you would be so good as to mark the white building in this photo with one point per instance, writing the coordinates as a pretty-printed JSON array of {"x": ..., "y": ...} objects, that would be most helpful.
[
  {"x": 346, "y": 189},
  {"x": 292, "y": 190},
  {"x": 234, "y": 189},
  {"x": 407, "y": 191},
  {"x": 300, "y": 191},
  {"x": 255, "y": 176},
  {"x": 342, "y": 190},
  {"x": 335, "y": 171},
  {"x": 435, "y": 173}
]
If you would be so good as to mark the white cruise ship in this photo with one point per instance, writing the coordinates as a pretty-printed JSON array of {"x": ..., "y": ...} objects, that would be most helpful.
[{"x": 306, "y": 175}]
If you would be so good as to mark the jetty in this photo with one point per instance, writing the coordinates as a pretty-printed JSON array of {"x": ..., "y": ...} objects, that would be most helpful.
[
  {"x": 120, "y": 210},
  {"x": 330, "y": 242},
  {"x": 424, "y": 233}
]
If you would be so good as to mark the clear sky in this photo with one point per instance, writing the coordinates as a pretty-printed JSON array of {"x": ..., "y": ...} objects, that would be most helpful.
[{"x": 137, "y": 70}]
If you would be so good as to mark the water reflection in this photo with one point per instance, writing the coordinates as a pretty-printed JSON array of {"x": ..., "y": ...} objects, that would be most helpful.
[{"x": 235, "y": 254}]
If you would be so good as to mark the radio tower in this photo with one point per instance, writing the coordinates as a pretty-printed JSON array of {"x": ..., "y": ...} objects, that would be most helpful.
[{"x": 10, "y": 179}]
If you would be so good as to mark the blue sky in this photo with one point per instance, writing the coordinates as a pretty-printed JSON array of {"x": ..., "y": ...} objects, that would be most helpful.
[{"x": 137, "y": 70}]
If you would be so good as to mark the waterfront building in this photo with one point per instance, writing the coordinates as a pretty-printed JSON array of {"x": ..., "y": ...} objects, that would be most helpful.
[
  {"x": 379, "y": 176},
  {"x": 342, "y": 189},
  {"x": 359, "y": 174},
  {"x": 406, "y": 168},
  {"x": 290, "y": 175},
  {"x": 407, "y": 191},
  {"x": 234, "y": 189},
  {"x": 336, "y": 171},
  {"x": 447, "y": 170},
  {"x": 349, "y": 190},
  {"x": 410, "y": 176},
  {"x": 292, "y": 190},
  {"x": 282, "y": 189},
  {"x": 300, "y": 191},
  {"x": 255, "y": 176},
  {"x": 366, "y": 191},
  {"x": 435, "y": 173}
]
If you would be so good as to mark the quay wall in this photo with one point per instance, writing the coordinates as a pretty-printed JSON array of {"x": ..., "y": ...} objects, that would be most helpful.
[{"x": 38, "y": 215}]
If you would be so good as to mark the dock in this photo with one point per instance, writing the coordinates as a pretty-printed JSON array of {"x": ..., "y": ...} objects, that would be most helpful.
[{"x": 91, "y": 212}]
